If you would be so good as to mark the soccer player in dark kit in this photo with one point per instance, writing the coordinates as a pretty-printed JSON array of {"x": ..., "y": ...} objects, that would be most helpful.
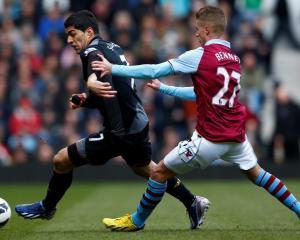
[{"x": 125, "y": 125}]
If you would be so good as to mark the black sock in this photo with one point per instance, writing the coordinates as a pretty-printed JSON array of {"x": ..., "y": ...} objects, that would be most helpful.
[
  {"x": 58, "y": 185},
  {"x": 176, "y": 188}
]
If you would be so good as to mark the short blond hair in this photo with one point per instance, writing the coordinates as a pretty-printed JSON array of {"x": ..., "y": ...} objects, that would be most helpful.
[{"x": 212, "y": 16}]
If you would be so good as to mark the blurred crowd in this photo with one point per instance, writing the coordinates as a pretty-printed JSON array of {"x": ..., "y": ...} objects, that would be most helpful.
[{"x": 39, "y": 72}]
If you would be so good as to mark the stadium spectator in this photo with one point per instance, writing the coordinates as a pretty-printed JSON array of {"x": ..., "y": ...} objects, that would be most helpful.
[
  {"x": 19, "y": 21},
  {"x": 125, "y": 122},
  {"x": 220, "y": 131},
  {"x": 175, "y": 9},
  {"x": 102, "y": 10},
  {"x": 30, "y": 44},
  {"x": 44, "y": 152},
  {"x": 79, "y": 5},
  {"x": 249, "y": 10},
  {"x": 20, "y": 155},
  {"x": 171, "y": 138},
  {"x": 24, "y": 125},
  {"x": 10, "y": 9},
  {"x": 123, "y": 30},
  {"x": 144, "y": 8},
  {"x": 286, "y": 136},
  {"x": 54, "y": 44},
  {"x": 25, "y": 118},
  {"x": 286, "y": 14},
  {"x": 5, "y": 107},
  {"x": 5, "y": 156},
  {"x": 49, "y": 132},
  {"x": 23, "y": 82},
  {"x": 29, "y": 13},
  {"x": 253, "y": 81},
  {"x": 146, "y": 47},
  {"x": 61, "y": 5},
  {"x": 53, "y": 21}
]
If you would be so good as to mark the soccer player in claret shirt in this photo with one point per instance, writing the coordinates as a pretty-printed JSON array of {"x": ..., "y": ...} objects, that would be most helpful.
[
  {"x": 220, "y": 129},
  {"x": 125, "y": 126}
]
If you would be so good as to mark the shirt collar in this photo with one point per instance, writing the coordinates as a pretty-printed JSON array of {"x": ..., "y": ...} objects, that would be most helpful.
[
  {"x": 218, "y": 41},
  {"x": 92, "y": 42}
]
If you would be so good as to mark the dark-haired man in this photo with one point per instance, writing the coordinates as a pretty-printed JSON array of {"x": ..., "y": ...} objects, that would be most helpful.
[{"x": 125, "y": 125}]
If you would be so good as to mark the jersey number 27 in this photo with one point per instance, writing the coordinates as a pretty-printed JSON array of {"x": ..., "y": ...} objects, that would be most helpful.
[{"x": 219, "y": 98}]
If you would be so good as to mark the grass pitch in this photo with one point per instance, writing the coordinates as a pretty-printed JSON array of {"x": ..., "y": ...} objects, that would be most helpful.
[{"x": 239, "y": 210}]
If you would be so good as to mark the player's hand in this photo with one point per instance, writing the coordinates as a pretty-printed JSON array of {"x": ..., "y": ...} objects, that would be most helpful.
[
  {"x": 102, "y": 89},
  {"x": 102, "y": 65},
  {"x": 155, "y": 84},
  {"x": 79, "y": 100}
]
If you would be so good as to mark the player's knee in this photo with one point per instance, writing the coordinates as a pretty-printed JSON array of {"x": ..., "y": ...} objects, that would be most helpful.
[
  {"x": 60, "y": 162},
  {"x": 254, "y": 173},
  {"x": 161, "y": 173},
  {"x": 157, "y": 173},
  {"x": 141, "y": 171}
]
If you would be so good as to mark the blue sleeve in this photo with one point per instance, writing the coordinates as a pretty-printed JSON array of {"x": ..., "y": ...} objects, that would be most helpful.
[
  {"x": 188, "y": 62},
  {"x": 145, "y": 71},
  {"x": 186, "y": 93}
]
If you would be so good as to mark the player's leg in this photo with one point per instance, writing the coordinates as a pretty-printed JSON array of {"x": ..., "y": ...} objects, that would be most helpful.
[
  {"x": 61, "y": 179},
  {"x": 96, "y": 149},
  {"x": 153, "y": 195},
  {"x": 137, "y": 154},
  {"x": 187, "y": 156},
  {"x": 243, "y": 155},
  {"x": 177, "y": 161},
  {"x": 156, "y": 187},
  {"x": 59, "y": 183},
  {"x": 275, "y": 187},
  {"x": 174, "y": 187}
]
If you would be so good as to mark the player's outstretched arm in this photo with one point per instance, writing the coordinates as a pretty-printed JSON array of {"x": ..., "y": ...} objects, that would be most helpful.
[
  {"x": 185, "y": 93},
  {"x": 144, "y": 71},
  {"x": 154, "y": 84}
]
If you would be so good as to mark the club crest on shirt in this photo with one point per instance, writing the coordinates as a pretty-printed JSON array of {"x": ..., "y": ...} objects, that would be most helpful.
[{"x": 111, "y": 45}]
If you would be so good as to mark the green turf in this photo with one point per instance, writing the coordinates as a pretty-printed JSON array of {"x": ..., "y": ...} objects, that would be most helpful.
[{"x": 239, "y": 210}]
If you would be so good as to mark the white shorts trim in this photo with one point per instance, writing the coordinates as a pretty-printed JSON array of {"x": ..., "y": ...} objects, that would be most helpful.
[{"x": 198, "y": 152}]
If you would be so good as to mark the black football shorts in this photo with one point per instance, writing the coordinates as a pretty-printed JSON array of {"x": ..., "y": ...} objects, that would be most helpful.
[{"x": 98, "y": 148}]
